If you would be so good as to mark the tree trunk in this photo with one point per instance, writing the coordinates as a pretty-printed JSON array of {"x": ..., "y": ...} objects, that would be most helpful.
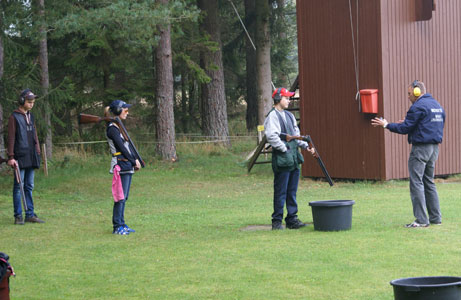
[
  {"x": 44, "y": 77},
  {"x": 2, "y": 91},
  {"x": 166, "y": 147},
  {"x": 214, "y": 107},
  {"x": 184, "y": 117},
  {"x": 263, "y": 59},
  {"x": 252, "y": 91}
]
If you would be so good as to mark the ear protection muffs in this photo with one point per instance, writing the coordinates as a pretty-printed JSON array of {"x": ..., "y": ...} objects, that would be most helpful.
[
  {"x": 277, "y": 96},
  {"x": 22, "y": 97},
  {"x": 416, "y": 89},
  {"x": 117, "y": 110}
]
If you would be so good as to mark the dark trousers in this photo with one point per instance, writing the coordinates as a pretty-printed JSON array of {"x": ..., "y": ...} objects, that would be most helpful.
[
  {"x": 118, "y": 216},
  {"x": 423, "y": 191},
  {"x": 285, "y": 188}
]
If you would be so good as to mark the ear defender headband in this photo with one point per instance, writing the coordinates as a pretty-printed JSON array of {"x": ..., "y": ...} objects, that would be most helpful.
[
  {"x": 117, "y": 110},
  {"x": 416, "y": 89},
  {"x": 277, "y": 96}
]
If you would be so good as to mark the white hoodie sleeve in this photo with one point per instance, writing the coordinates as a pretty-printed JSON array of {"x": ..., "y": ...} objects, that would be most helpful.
[{"x": 272, "y": 130}]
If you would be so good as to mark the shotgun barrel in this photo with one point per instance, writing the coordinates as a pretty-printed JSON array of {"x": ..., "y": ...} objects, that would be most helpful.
[
  {"x": 141, "y": 161},
  {"x": 17, "y": 173},
  {"x": 308, "y": 139}
]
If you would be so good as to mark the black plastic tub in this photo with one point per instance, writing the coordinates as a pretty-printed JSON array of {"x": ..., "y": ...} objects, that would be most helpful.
[
  {"x": 427, "y": 288},
  {"x": 332, "y": 215}
]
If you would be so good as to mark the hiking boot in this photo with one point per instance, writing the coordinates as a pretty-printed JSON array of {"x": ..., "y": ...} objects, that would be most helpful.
[
  {"x": 416, "y": 225},
  {"x": 120, "y": 231},
  {"x": 18, "y": 220},
  {"x": 130, "y": 230},
  {"x": 34, "y": 219},
  {"x": 277, "y": 225},
  {"x": 295, "y": 224}
]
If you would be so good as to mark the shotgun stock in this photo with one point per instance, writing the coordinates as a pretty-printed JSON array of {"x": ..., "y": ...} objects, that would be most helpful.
[
  {"x": 87, "y": 119},
  {"x": 2, "y": 160},
  {"x": 308, "y": 139}
]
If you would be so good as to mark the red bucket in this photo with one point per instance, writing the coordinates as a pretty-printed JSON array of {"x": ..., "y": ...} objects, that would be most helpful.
[{"x": 369, "y": 101}]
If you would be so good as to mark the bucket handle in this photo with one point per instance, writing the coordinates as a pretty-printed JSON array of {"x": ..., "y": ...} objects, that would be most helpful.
[{"x": 412, "y": 289}]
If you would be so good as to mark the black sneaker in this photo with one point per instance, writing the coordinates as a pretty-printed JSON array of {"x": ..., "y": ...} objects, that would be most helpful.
[
  {"x": 18, "y": 220},
  {"x": 34, "y": 219},
  {"x": 277, "y": 225},
  {"x": 295, "y": 224}
]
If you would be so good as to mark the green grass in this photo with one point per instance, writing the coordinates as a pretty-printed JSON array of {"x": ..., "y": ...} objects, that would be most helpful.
[{"x": 189, "y": 243}]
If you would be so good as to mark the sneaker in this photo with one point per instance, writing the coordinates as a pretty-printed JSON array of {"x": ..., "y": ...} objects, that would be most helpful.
[
  {"x": 416, "y": 225},
  {"x": 18, "y": 220},
  {"x": 436, "y": 223},
  {"x": 130, "y": 230},
  {"x": 277, "y": 225},
  {"x": 34, "y": 219},
  {"x": 120, "y": 231},
  {"x": 295, "y": 224}
]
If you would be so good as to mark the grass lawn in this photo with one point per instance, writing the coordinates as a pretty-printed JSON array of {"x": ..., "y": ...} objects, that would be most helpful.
[{"x": 189, "y": 242}]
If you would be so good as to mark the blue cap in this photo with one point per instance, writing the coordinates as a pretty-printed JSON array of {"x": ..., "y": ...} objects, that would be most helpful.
[{"x": 119, "y": 104}]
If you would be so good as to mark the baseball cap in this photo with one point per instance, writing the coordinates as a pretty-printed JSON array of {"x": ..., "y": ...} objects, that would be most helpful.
[
  {"x": 119, "y": 104},
  {"x": 283, "y": 93},
  {"x": 28, "y": 95}
]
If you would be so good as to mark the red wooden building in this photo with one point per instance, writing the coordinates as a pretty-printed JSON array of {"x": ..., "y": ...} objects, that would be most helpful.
[{"x": 348, "y": 45}]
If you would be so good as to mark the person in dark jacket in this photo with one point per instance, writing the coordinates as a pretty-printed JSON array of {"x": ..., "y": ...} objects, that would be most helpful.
[
  {"x": 123, "y": 164},
  {"x": 424, "y": 125},
  {"x": 24, "y": 152}
]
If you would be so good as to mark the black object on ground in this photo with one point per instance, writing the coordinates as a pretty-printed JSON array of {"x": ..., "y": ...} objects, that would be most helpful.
[
  {"x": 427, "y": 288},
  {"x": 332, "y": 215}
]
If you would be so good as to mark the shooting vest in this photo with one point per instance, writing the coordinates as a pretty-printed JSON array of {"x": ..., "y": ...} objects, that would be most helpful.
[
  {"x": 289, "y": 160},
  {"x": 117, "y": 156},
  {"x": 24, "y": 142}
]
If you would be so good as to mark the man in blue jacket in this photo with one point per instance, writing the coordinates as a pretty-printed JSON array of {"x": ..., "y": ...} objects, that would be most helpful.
[{"x": 424, "y": 124}]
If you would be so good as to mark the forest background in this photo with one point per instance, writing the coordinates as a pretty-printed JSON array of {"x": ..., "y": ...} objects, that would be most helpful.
[{"x": 188, "y": 65}]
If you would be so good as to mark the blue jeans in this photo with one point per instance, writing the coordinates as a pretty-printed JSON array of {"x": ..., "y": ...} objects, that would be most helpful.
[
  {"x": 27, "y": 177},
  {"x": 118, "y": 216},
  {"x": 285, "y": 188}
]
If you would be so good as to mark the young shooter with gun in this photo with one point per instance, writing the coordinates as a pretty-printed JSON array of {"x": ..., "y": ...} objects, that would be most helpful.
[
  {"x": 23, "y": 156},
  {"x": 125, "y": 159},
  {"x": 285, "y": 159}
]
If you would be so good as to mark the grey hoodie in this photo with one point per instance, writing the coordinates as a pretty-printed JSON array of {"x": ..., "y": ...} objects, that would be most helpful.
[{"x": 272, "y": 129}]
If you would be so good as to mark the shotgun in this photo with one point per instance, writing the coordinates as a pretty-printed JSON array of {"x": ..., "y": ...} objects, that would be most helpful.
[
  {"x": 87, "y": 119},
  {"x": 17, "y": 173},
  {"x": 308, "y": 139}
]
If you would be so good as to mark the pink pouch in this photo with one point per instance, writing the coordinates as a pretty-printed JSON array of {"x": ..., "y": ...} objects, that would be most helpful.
[{"x": 117, "y": 189}]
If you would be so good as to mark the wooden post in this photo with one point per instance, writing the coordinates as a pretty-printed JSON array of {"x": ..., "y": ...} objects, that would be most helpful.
[
  {"x": 260, "y": 136},
  {"x": 45, "y": 161}
]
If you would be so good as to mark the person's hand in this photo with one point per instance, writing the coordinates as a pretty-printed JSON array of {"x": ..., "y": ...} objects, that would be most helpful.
[
  {"x": 379, "y": 122},
  {"x": 138, "y": 165},
  {"x": 12, "y": 163},
  {"x": 311, "y": 151}
]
